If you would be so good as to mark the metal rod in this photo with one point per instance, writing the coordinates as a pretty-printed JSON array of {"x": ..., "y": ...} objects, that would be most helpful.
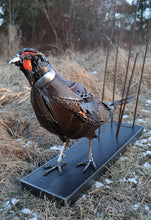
[
  {"x": 142, "y": 72},
  {"x": 129, "y": 85},
  {"x": 115, "y": 69},
  {"x": 131, "y": 43},
  {"x": 107, "y": 56}
]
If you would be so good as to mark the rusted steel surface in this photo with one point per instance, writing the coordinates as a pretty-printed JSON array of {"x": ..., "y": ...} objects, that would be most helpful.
[
  {"x": 127, "y": 68},
  {"x": 141, "y": 77}
]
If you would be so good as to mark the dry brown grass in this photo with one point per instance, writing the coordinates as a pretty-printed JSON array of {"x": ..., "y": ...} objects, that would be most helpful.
[{"x": 24, "y": 145}]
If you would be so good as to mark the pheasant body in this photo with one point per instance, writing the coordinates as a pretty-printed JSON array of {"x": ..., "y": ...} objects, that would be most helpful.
[{"x": 65, "y": 108}]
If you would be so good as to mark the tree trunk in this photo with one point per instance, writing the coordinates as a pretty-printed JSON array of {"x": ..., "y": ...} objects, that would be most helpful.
[{"x": 14, "y": 40}]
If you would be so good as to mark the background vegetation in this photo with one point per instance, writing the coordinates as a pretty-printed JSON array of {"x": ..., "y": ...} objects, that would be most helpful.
[{"x": 54, "y": 25}]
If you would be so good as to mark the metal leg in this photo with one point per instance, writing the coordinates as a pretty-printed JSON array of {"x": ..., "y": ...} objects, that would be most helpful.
[
  {"x": 99, "y": 132},
  {"x": 59, "y": 163},
  {"x": 90, "y": 158}
]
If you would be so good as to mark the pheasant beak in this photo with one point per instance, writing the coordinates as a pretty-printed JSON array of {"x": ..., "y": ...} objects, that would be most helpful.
[{"x": 15, "y": 60}]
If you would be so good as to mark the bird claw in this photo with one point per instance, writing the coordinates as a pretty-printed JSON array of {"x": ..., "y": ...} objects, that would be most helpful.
[
  {"x": 87, "y": 163},
  {"x": 53, "y": 167}
]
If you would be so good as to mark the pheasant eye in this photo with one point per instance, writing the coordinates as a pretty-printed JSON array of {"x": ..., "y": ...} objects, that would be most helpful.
[{"x": 28, "y": 57}]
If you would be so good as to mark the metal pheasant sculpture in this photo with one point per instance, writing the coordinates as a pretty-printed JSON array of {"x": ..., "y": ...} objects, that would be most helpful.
[{"x": 65, "y": 108}]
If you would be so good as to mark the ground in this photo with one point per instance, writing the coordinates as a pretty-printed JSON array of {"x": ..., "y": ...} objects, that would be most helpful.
[{"x": 123, "y": 192}]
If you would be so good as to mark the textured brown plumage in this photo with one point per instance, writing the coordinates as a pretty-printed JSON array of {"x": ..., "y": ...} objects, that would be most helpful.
[{"x": 63, "y": 107}]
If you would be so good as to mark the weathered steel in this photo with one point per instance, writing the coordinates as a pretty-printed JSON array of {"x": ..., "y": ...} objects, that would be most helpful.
[
  {"x": 129, "y": 85},
  {"x": 116, "y": 60},
  {"x": 127, "y": 68},
  {"x": 130, "y": 81},
  {"x": 115, "y": 68},
  {"x": 142, "y": 72},
  {"x": 65, "y": 108},
  {"x": 107, "y": 57}
]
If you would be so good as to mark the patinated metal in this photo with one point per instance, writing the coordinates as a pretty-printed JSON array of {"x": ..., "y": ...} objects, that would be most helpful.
[
  {"x": 121, "y": 112},
  {"x": 65, "y": 108}
]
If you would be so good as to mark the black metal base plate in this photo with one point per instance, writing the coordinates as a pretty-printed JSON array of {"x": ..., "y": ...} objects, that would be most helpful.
[{"x": 68, "y": 187}]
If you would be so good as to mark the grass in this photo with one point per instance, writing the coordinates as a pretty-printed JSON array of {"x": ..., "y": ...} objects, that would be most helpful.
[{"x": 125, "y": 191}]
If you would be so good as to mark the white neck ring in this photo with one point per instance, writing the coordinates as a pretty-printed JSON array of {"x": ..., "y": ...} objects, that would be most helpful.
[{"x": 44, "y": 80}]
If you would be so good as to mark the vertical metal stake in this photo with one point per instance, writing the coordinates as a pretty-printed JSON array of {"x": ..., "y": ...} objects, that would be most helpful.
[
  {"x": 115, "y": 69},
  {"x": 131, "y": 43},
  {"x": 140, "y": 82},
  {"x": 107, "y": 56}
]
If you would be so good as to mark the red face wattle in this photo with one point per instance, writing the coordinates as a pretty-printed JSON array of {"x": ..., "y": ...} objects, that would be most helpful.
[
  {"x": 27, "y": 60},
  {"x": 27, "y": 65}
]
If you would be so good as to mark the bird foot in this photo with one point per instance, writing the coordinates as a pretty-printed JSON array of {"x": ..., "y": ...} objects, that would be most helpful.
[
  {"x": 88, "y": 162},
  {"x": 58, "y": 166}
]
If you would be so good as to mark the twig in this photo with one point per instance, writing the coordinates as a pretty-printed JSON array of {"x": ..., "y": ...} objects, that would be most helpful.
[
  {"x": 9, "y": 129},
  {"x": 43, "y": 9}
]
